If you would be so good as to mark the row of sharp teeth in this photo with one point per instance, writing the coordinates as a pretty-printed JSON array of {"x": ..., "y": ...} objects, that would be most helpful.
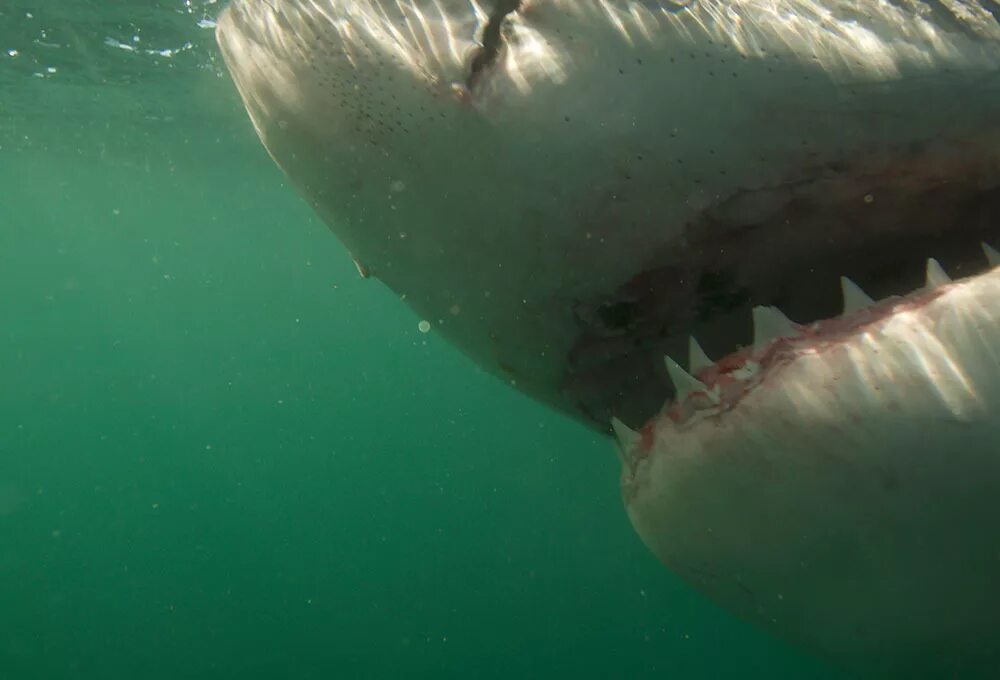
[{"x": 770, "y": 324}]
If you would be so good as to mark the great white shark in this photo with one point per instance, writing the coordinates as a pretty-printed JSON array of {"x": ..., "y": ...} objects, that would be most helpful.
[{"x": 592, "y": 197}]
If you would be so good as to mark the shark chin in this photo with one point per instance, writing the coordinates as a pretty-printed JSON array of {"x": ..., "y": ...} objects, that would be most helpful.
[{"x": 591, "y": 198}]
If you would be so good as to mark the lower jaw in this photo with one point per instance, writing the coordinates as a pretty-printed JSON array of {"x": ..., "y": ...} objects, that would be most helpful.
[{"x": 839, "y": 483}]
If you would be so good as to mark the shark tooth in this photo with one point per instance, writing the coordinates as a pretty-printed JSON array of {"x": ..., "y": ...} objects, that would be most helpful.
[
  {"x": 363, "y": 271},
  {"x": 697, "y": 359},
  {"x": 855, "y": 299},
  {"x": 684, "y": 382},
  {"x": 936, "y": 275},
  {"x": 626, "y": 436},
  {"x": 770, "y": 324},
  {"x": 992, "y": 256}
]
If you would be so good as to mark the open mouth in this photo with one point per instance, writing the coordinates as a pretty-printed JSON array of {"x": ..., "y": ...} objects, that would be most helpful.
[
  {"x": 835, "y": 481},
  {"x": 786, "y": 247},
  {"x": 708, "y": 387}
]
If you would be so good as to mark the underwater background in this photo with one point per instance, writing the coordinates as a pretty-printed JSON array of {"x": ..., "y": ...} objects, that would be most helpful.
[{"x": 225, "y": 455}]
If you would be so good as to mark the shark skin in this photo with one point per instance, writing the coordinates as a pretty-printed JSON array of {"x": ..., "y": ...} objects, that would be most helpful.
[{"x": 570, "y": 190}]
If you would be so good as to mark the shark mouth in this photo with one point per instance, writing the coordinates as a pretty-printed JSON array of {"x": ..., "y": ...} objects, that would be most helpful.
[
  {"x": 863, "y": 452},
  {"x": 878, "y": 219},
  {"x": 709, "y": 389},
  {"x": 833, "y": 478}
]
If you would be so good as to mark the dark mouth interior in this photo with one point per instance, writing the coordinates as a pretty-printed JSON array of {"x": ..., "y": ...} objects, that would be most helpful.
[{"x": 781, "y": 246}]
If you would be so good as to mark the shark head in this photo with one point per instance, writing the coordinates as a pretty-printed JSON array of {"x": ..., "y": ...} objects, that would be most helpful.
[{"x": 569, "y": 190}]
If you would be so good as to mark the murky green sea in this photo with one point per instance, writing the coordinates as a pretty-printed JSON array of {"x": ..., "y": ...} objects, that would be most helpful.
[{"x": 224, "y": 455}]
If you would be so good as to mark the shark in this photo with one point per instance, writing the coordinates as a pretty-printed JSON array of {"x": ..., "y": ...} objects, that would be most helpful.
[{"x": 752, "y": 241}]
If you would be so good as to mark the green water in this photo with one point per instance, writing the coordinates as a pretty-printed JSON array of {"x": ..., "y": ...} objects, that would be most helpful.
[{"x": 224, "y": 455}]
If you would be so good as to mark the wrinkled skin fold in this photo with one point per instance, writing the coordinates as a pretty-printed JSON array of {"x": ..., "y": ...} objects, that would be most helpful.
[{"x": 568, "y": 190}]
